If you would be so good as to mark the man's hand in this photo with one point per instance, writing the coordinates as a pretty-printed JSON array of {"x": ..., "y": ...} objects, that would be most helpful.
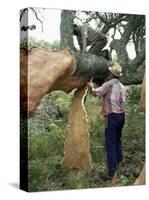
[
  {"x": 90, "y": 84},
  {"x": 92, "y": 89}
]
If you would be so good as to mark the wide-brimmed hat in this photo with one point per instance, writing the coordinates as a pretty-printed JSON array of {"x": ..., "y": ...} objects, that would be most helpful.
[{"x": 116, "y": 70}]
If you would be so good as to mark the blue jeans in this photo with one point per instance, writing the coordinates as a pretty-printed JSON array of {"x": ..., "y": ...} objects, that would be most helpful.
[{"x": 113, "y": 133}]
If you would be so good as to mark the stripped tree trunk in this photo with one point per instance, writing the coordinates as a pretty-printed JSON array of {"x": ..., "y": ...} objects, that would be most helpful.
[
  {"x": 141, "y": 179},
  {"x": 43, "y": 72},
  {"x": 77, "y": 147}
]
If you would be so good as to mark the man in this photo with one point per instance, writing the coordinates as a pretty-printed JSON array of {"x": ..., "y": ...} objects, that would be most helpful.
[
  {"x": 114, "y": 98},
  {"x": 87, "y": 36}
]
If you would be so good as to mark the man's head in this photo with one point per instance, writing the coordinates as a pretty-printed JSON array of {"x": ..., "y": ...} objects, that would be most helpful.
[{"x": 115, "y": 71}]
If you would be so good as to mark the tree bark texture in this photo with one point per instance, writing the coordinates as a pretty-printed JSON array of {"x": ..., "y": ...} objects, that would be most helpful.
[
  {"x": 66, "y": 29},
  {"x": 141, "y": 178},
  {"x": 131, "y": 74},
  {"x": 77, "y": 147},
  {"x": 44, "y": 71}
]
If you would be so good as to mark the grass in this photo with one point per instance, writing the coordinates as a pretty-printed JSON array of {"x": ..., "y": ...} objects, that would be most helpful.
[{"x": 46, "y": 150}]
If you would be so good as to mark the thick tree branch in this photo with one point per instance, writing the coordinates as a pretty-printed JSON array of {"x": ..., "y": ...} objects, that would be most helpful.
[
  {"x": 131, "y": 78},
  {"x": 111, "y": 23},
  {"x": 102, "y": 19},
  {"x": 120, "y": 47},
  {"x": 91, "y": 66},
  {"x": 130, "y": 67},
  {"x": 139, "y": 59}
]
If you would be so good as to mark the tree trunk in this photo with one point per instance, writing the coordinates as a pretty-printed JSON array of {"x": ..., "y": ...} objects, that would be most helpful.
[
  {"x": 131, "y": 74},
  {"x": 77, "y": 147},
  {"x": 66, "y": 29},
  {"x": 43, "y": 72}
]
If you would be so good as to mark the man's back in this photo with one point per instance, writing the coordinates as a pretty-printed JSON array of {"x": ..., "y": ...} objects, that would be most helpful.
[
  {"x": 91, "y": 34},
  {"x": 87, "y": 36},
  {"x": 114, "y": 96}
]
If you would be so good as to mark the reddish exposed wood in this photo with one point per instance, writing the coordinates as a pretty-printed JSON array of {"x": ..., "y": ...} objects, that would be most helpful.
[
  {"x": 44, "y": 71},
  {"x": 77, "y": 147},
  {"x": 143, "y": 94},
  {"x": 141, "y": 179}
]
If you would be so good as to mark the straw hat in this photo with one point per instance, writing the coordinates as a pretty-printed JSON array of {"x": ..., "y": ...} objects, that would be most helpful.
[{"x": 116, "y": 70}]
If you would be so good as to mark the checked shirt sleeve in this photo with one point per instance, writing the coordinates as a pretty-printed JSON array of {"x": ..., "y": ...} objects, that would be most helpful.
[{"x": 101, "y": 91}]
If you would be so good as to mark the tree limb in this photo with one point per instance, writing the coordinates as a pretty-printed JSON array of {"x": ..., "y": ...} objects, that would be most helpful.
[
  {"x": 22, "y": 12},
  {"x": 35, "y": 13}
]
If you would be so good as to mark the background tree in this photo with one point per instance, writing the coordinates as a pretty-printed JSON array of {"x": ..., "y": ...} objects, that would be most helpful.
[{"x": 124, "y": 30}]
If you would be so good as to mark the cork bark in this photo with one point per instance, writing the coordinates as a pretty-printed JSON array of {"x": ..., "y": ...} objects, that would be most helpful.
[{"x": 76, "y": 146}]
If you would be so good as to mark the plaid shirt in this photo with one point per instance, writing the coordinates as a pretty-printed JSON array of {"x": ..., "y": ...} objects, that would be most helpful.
[{"x": 114, "y": 96}]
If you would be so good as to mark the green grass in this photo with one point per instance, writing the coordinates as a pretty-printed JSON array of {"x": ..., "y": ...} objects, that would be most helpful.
[
  {"x": 46, "y": 150},
  {"x": 31, "y": 42}
]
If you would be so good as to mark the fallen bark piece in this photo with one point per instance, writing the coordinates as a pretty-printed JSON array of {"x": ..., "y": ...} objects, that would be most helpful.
[{"x": 77, "y": 148}]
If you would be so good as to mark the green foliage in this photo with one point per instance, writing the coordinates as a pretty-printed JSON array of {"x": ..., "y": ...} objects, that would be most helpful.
[
  {"x": 124, "y": 180},
  {"x": 46, "y": 149},
  {"x": 62, "y": 100},
  {"x": 33, "y": 43},
  {"x": 134, "y": 94},
  {"x": 42, "y": 145}
]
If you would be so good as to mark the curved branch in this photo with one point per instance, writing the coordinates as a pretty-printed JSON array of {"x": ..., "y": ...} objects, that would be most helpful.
[
  {"x": 120, "y": 47},
  {"x": 35, "y": 13},
  {"x": 130, "y": 78},
  {"x": 111, "y": 22},
  {"x": 135, "y": 63},
  {"x": 22, "y": 13},
  {"x": 102, "y": 19}
]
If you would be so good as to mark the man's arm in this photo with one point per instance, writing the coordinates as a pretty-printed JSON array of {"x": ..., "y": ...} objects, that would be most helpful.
[
  {"x": 92, "y": 89},
  {"x": 100, "y": 91}
]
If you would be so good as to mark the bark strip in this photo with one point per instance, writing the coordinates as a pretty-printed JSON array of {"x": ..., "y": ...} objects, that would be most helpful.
[{"x": 77, "y": 148}]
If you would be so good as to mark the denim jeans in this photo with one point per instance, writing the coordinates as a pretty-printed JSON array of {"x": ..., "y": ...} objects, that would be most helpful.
[{"x": 113, "y": 145}]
